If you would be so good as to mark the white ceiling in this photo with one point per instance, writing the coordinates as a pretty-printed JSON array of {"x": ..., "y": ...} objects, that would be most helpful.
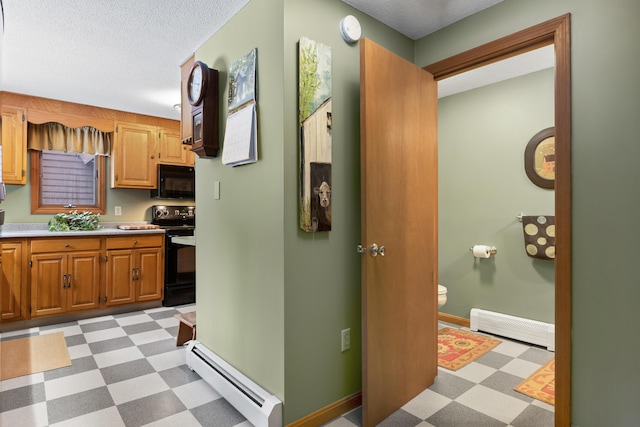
[
  {"x": 120, "y": 54},
  {"x": 126, "y": 54},
  {"x": 417, "y": 18}
]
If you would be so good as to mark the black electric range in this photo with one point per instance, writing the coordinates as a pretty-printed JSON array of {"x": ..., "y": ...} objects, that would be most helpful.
[{"x": 180, "y": 259}]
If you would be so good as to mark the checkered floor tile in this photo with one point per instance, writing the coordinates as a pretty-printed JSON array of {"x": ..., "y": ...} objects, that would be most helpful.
[
  {"x": 126, "y": 371},
  {"x": 480, "y": 394}
]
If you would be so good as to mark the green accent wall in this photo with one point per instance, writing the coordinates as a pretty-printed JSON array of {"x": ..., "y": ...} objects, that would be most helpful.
[
  {"x": 240, "y": 241},
  {"x": 482, "y": 187},
  {"x": 271, "y": 298},
  {"x": 604, "y": 70}
]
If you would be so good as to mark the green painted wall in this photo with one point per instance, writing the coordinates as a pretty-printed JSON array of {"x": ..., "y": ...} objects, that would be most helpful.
[
  {"x": 322, "y": 270},
  {"x": 136, "y": 204},
  {"x": 240, "y": 246},
  {"x": 605, "y": 127},
  {"x": 273, "y": 299},
  {"x": 482, "y": 187}
]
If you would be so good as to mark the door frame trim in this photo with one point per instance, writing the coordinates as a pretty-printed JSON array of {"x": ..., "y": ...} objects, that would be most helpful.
[{"x": 557, "y": 32}]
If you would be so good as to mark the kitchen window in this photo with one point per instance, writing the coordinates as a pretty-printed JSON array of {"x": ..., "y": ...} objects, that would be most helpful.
[
  {"x": 67, "y": 181},
  {"x": 67, "y": 168}
]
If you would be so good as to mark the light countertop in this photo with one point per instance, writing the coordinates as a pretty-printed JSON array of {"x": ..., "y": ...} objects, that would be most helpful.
[{"x": 30, "y": 230}]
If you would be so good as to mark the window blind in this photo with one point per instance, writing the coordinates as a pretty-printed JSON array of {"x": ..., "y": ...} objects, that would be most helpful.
[{"x": 67, "y": 179}]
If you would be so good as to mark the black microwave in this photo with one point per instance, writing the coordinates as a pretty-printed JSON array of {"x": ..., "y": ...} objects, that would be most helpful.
[{"x": 175, "y": 182}]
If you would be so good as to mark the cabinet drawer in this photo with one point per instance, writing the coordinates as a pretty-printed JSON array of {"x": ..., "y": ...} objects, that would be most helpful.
[
  {"x": 64, "y": 245},
  {"x": 136, "y": 241}
]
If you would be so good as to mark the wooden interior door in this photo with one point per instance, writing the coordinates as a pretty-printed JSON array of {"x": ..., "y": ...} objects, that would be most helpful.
[{"x": 399, "y": 212}]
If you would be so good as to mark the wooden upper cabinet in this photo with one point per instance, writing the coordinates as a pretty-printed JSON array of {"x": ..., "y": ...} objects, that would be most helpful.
[
  {"x": 172, "y": 151},
  {"x": 133, "y": 164},
  {"x": 14, "y": 145},
  {"x": 186, "y": 123}
]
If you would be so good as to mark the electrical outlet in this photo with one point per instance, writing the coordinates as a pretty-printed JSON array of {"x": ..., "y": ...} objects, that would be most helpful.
[
  {"x": 118, "y": 210},
  {"x": 345, "y": 336}
]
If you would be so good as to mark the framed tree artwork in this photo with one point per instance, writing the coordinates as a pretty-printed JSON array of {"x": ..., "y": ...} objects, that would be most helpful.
[{"x": 314, "y": 121}]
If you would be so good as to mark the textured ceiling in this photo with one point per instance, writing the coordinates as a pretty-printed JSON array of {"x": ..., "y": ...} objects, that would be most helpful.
[
  {"x": 417, "y": 18},
  {"x": 126, "y": 54},
  {"x": 120, "y": 54}
]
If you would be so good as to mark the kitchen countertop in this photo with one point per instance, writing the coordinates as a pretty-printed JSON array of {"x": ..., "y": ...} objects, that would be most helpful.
[{"x": 29, "y": 230}]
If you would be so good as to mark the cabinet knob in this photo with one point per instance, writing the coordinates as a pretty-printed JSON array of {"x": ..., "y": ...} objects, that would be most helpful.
[
  {"x": 135, "y": 242},
  {"x": 66, "y": 245}
]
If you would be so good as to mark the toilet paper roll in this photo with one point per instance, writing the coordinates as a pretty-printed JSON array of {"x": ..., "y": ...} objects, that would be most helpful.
[{"x": 481, "y": 251}]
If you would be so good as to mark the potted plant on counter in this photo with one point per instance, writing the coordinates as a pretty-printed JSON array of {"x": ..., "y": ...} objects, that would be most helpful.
[{"x": 74, "y": 221}]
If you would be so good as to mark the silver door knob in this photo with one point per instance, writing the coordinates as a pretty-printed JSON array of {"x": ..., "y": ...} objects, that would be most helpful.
[
  {"x": 376, "y": 250},
  {"x": 360, "y": 249}
]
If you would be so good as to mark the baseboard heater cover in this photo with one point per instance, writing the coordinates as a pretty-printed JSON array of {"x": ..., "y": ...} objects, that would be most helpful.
[
  {"x": 257, "y": 405},
  {"x": 519, "y": 328}
]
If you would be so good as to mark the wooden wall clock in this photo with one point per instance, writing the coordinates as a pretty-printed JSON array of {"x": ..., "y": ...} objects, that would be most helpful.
[{"x": 202, "y": 92}]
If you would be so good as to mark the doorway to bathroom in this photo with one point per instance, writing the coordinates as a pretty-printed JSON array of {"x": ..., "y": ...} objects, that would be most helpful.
[
  {"x": 553, "y": 33},
  {"x": 484, "y": 192}
]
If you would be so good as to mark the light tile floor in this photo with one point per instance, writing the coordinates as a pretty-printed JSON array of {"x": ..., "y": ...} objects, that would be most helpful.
[
  {"x": 127, "y": 371},
  {"x": 478, "y": 395}
]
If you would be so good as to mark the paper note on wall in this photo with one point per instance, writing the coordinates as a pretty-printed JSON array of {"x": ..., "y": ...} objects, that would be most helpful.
[{"x": 240, "y": 137}]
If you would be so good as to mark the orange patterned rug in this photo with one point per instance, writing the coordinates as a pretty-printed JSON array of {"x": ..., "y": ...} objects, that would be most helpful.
[
  {"x": 458, "y": 348},
  {"x": 541, "y": 384}
]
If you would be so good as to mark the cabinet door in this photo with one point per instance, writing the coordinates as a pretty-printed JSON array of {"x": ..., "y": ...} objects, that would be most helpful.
[
  {"x": 120, "y": 274},
  {"x": 83, "y": 283},
  {"x": 48, "y": 284},
  {"x": 150, "y": 277},
  {"x": 172, "y": 151},
  {"x": 14, "y": 145},
  {"x": 133, "y": 164},
  {"x": 11, "y": 281}
]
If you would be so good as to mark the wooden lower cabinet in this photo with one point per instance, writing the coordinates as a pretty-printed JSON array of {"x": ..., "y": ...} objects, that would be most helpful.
[
  {"x": 12, "y": 286},
  {"x": 54, "y": 276},
  {"x": 135, "y": 269},
  {"x": 65, "y": 275},
  {"x": 62, "y": 283}
]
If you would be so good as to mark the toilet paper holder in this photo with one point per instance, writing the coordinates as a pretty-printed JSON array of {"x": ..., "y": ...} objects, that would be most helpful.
[{"x": 492, "y": 250}]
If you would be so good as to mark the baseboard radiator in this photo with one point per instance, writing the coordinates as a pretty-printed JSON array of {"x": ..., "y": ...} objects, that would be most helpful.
[
  {"x": 257, "y": 405},
  {"x": 519, "y": 328}
]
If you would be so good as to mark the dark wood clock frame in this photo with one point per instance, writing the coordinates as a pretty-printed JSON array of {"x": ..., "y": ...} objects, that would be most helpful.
[{"x": 204, "y": 116}]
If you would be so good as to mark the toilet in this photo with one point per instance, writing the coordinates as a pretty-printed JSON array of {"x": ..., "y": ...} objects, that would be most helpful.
[{"x": 442, "y": 295}]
